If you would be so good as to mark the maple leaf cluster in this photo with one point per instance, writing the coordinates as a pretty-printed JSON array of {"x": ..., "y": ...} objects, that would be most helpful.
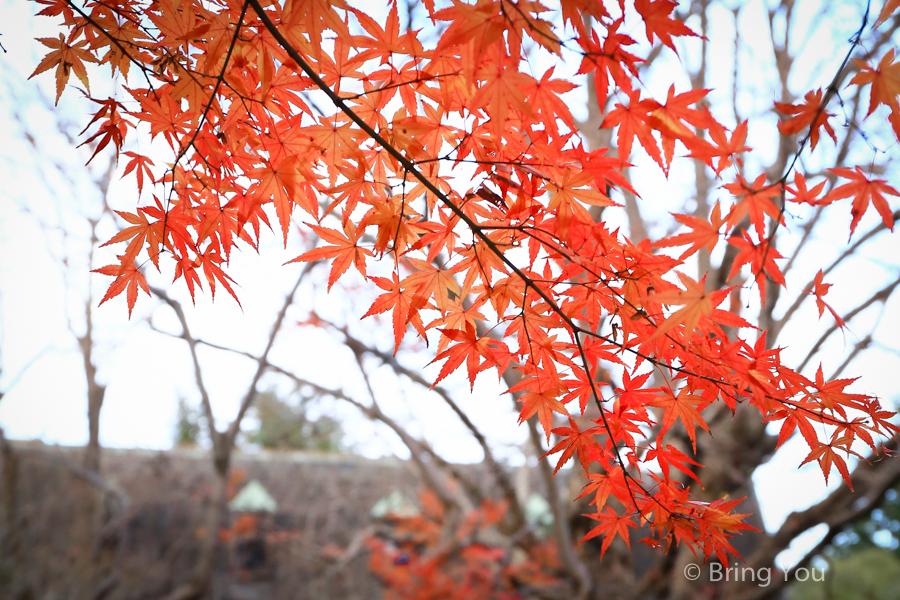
[{"x": 441, "y": 151}]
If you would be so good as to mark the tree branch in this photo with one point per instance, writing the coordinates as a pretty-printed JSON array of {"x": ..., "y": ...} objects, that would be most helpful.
[
  {"x": 779, "y": 324},
  {"x": 871, "y": 480},
  {"x": 880, "y": 296},
  {"x": 506, "y": 486},
  {"x": 198, "y": 372}
]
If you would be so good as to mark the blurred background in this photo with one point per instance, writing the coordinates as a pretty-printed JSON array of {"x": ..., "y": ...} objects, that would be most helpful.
[{"x": 109, "y": 467}]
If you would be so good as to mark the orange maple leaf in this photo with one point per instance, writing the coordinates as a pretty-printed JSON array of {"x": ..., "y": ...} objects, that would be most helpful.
[
  {"x": 826, "y": 456},
  {"x": 431, "y": 281},
  {"x": 469, "y": 348},
  {"x": 402, "y": 302},
  {"x": 574, "y": 441},
  {"x": 632, "y": 121},
  {"x": 672, "y": 456},
  {"x": 884, "y": 79},
  {"x": 544, "y": 97},
  {"x": 611, "y": 525},
  {"x": 698, "y": 303},
  {"x": 725, "y": 149},
  {"x": 683, "y": 406},
  {"x": 602, "y": 485},
  {"x": 128, "y": 279},
  {"x": 671, "y": 120},
  {"x": 278, "y": 184},
  {"x": 802, "y": 195},
  {"x": 658, "y": 23},
  {"x": 346, "y": 250},
  {"x": 210, "y": 261},
  {"x": 141, "y": 232},
  {"x": 761, "y": 258},
  {"x": 810, "y": 114},
  {"x": 608, "y": 59},
  {"x": 754, "y": 200},
  {"x": 141, "y": 166},
  {"x": 502, "y": 88},
  {"x": 889, "y": 8},
  {"x": 819, "y": 290},
  {"x": 67, "y": 58},
  {"x": 863, "y": 189},
  {"x": 541, "y": 397},
  {"x": 705, "y": 233},
  {"x": 568, "y": 197}
]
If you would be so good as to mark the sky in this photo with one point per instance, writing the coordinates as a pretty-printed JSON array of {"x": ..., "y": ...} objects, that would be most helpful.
[{"x": 48, "y": 196}]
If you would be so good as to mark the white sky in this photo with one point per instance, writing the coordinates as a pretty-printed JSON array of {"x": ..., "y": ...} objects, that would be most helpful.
[{"x": 147, "y": 372}]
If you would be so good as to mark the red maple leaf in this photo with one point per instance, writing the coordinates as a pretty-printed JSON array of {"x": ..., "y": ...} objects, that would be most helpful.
[
  {"x": 810, "y": 114},
  {"x": 863, "y": 190},
  {"x": 128, "y": 279},
  {"x": 611, "y": 525},
  {"x": 819, "y": 290},
  {"x": 345, "y": 252},
  {"x": 575, "y": 441},
  {"x": 658, "y": 22}
]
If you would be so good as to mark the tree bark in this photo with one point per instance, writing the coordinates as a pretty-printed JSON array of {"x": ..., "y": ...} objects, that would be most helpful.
[
  {"x": 96, "y": 394},
  {"x": 216, "y": 514}
]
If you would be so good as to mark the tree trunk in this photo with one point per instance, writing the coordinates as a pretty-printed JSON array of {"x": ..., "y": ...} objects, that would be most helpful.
[
  {"x": 96, "y": 394},
  {"x": 217, "y": 511}
]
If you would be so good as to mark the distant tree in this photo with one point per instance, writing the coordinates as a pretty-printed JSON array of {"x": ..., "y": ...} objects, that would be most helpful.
[
  {"x": 880, "y": 529},
  {"x": 187, "y": 426},
  {"x": 866, "y": 574},
  {"x": 286, "y": 426},
  {"x": 863, "y": 560}
]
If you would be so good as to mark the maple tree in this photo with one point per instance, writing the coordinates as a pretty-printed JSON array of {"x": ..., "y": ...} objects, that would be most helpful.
[{"x": 449, "y": 160}]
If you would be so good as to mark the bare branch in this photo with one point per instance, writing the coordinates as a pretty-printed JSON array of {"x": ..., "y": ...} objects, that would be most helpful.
[
  {"x": 262, "y": 361},
  {"x": 880, "y": 296},
  {"x": 779, "y": 324},
  {"x": 861, "y": 345},
  {"x": 198, "y": 372},
  {"x": 358, "y": 347},
  {"x": 871, "y": 480},
  {"x": 417, "y": 448}
]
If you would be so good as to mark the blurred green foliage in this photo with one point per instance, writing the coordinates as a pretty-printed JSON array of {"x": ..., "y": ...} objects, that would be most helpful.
[
  {"x": 866, "y": 574},
  {"x": 881, "y": 529},
  {"x": 863, "y": 560},
  {"x": 187, "y": 427},
  {"x": 285, "y": 425}
]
